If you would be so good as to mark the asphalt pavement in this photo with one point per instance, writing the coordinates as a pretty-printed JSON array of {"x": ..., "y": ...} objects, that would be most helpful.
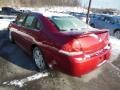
[{"x": 15, "y": 64}]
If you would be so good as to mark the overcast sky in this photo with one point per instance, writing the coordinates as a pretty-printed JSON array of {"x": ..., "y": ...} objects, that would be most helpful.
[{"x": 103, "y": 3}]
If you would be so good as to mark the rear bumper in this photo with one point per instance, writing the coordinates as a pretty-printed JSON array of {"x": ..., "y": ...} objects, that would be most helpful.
[
  {"x": 70, "y": 65},
  {"x": 80, "y": 68}
]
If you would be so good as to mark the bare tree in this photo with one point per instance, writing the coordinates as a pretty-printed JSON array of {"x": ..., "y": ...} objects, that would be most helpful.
[{"x": 38, "y": 3}]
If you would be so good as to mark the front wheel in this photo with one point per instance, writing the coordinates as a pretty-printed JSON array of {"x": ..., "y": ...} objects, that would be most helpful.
[
  {"x": 38, "y": 58},
  {"x": 117, "y": 34}
]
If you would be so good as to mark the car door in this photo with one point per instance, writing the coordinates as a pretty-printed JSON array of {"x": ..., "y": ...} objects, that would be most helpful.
[
  {"x": 109, "y": 23},
  {"x": 26, "y": 29},
  {"x": 16, "y": 28},
  {"x": 101, "y": 22},
  {"x": 33, "y": 32}
]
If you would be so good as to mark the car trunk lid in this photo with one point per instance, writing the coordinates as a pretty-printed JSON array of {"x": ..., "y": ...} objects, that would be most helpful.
[{"x": 91, "y": 41}]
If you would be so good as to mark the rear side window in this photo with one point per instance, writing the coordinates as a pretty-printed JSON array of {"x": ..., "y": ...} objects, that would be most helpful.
[
  {"x": 28, "y": 22},
  {"x": 20, "y": 19},
  {"x": 102, "y": 18},
  {"x": 38, "y": 25}
]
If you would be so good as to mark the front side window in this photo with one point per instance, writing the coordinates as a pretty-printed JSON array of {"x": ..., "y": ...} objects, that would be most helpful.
[
  {"x": 20, "y": 19},
  {"x": 107, "y": 19},
  {"x": 69, "y": 23},
  {"x": 102, "y": 18}
]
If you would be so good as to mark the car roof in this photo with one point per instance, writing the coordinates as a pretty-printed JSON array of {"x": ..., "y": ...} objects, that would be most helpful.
[{"x": 110, "y": 16}]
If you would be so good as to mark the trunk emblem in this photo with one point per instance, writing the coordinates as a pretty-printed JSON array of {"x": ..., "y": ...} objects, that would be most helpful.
[
  {"x": 96, "y": 37},
  {"x": 93, "y": 35}
]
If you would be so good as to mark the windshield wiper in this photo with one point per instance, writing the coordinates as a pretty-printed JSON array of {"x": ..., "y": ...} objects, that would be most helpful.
[
  {"x": 63, "y": 30},
  {"x": 73, "y": 29}
]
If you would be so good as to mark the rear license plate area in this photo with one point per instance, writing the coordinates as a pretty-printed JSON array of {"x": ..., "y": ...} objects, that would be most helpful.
[{"x": 101, "y": 60}]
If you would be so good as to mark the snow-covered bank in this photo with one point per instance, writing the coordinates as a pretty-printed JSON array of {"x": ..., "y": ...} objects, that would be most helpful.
[
  {"x": 20, "y": 83},
  {"x": 115, "y": 48},
  {"x": 5, "y": 21},
  {"x": 56, "y": 9}
]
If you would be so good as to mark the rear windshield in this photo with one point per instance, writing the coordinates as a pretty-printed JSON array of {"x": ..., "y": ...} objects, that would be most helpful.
[{"x": 69, "y": 23}]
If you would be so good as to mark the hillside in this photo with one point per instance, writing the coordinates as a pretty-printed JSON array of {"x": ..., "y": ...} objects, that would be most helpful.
[{"x": 38, "y": 3}]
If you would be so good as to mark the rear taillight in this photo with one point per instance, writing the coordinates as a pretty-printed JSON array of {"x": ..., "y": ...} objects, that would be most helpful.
[
  {"x": 76, "y": 46},
  {"x": 72, "y": 48},
  {"x": 107, "y": 39},
  {"x": 67, "y": 47}
]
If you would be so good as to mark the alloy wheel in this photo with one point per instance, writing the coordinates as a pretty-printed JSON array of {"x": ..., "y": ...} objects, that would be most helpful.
[
  {"x": 117, "y": 34},
  {"x": 38, "y": 57}
]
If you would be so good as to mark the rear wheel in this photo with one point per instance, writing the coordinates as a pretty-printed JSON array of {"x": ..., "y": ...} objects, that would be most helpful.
[
  {"x": 117, "y": 34},
  {"x": 38, "y": 58}
]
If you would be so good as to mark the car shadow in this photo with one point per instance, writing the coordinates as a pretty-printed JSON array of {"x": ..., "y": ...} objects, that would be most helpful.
[{"x": 14, "y": 54}]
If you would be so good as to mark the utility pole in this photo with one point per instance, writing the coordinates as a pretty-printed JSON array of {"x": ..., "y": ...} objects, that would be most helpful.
[{"x": 87, "y": 18}]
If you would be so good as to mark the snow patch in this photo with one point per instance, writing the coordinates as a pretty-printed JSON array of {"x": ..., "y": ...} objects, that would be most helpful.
[
  {"x": 56, "y": 9},
  {"x": 115, "y": 43},
  {"x": 5, "y": 21},
  {"x": 92, "y": 75},
  {"x": 21, "y": 83}
]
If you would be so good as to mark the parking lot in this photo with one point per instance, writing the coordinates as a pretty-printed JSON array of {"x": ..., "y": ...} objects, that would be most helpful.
[{"x": 15, "y": 64}]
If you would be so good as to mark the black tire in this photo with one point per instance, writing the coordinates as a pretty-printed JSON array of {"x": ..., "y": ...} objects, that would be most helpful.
[
  {"x": 39, "y": 59},
  {"x": 92, "y": 25},
  {"x": 117, "y": 34}
]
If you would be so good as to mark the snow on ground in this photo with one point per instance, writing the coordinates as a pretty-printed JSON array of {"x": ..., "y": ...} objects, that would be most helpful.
[
  {"x": 5, "y": 21},
  {"x": 21, "y": 83},
  {"x": 115, "y": 48},
  {"x": 56, "y": 9}
]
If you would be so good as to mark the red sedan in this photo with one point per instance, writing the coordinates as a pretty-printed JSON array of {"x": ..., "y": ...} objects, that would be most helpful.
[{"x": 61, "y": 42}]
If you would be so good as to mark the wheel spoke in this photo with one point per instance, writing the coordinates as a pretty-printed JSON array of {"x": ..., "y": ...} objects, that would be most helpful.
[
  {"x": 38, "y": 58},
  {"x": 117, "y": 34}
]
